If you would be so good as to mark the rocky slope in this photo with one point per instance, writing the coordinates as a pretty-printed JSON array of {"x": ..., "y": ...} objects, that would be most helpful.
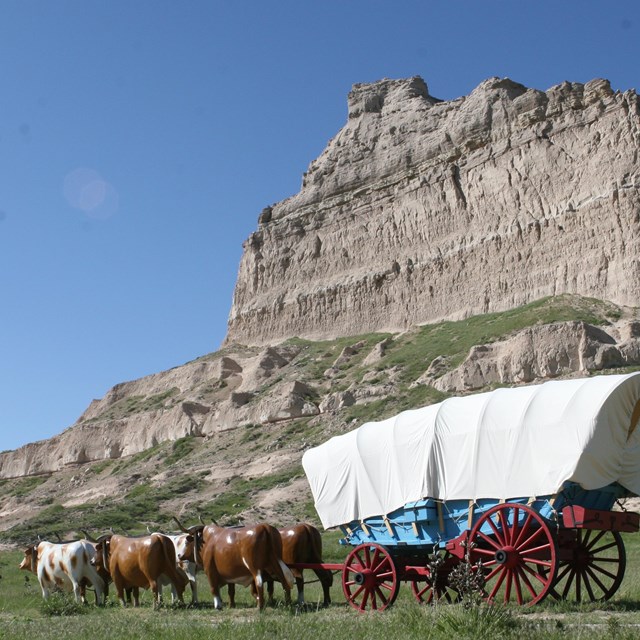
[{"x": 420, "y": 209}]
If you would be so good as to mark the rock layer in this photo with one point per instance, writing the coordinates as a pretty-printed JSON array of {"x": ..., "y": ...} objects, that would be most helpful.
[{"x": 420, "y": 210}]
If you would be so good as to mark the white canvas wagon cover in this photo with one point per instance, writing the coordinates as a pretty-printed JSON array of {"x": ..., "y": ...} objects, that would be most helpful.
[{"x": 507, "y": 443}]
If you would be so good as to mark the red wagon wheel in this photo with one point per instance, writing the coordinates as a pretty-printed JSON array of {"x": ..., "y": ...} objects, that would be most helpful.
[
  {"x": 369, "y": 578},
  {"x": 426, "y": 592},
  {"x": 516, "y": 552},
  {"x": 595, "y": 569}
]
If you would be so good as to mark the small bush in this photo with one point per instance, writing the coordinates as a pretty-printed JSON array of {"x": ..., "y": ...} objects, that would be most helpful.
[{"x": 62, "y": 604}]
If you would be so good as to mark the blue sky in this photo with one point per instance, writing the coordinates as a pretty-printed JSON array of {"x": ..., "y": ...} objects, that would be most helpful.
[{"x": 140, "y": 139}]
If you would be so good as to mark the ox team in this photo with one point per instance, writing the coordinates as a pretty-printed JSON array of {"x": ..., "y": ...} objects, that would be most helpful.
[{"x": 250, "y": 556}]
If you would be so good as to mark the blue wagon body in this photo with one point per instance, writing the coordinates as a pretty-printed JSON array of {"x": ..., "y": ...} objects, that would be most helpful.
[{"x": 429, "y": 524}]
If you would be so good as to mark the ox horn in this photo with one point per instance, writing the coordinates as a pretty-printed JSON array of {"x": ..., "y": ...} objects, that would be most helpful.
[
  {"x": 87, "y": 536},
  {"x": 180, "y": 525},
  {"x": 204, "y": 523}
]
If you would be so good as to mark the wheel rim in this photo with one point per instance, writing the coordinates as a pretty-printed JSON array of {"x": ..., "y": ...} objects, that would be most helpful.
[
  {"x": 595, "y": 570},
  {"x": 424, "y": 591},
  {"x": 369, "y": 578},
  {"x": 516, "y": 553}
]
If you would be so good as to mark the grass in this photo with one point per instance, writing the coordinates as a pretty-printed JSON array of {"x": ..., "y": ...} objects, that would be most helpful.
[{"x": 414, "y": 351}]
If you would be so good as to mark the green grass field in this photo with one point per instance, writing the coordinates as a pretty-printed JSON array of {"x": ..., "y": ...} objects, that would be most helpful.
[{"x": 24, "y": 616}]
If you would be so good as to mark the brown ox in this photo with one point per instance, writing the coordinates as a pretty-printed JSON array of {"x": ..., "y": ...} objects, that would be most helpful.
[
  {"x": 302, "y": 543},
  {"x": 134, "y": 563},
  {"x": 242, "y": 555}
]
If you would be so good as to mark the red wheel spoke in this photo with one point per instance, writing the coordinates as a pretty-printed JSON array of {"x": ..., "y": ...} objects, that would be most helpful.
[
  {"x": 516, "y": 579},
  {"x": 530, "y": 539},
  {"x": 363, "y": 604},
  {"x": 527, "y": 582},
  {"x": 491, "y": 541},
  {"x": 504, "y": 523},
  {"x": 541, "y": 563},
  {"x": 514, "y": 530},
  {"x": 357, "y": 592},
  {"x": 493, "y": 573},
  {"x": 507, "y": 590},
  {"x": 525, "y": 526},
  {"x": 386, "y": 585},
  {"x": 496, "y": 531},
  {"x": 539, "y": 576},
  {"x": 498, "y": 583},
  {"x": 373, "y": 561},
  {"x": 385, "y": 601},
  {"x": 421, "y": 592},
  {"x": 533, "y": 550}
]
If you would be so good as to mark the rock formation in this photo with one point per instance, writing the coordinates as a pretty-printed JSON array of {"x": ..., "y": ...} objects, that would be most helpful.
[{"x": 420, "y": 210}]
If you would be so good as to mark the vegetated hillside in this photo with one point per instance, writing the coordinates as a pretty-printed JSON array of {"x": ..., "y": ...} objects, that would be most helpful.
[{"x": 253, "y": 472}]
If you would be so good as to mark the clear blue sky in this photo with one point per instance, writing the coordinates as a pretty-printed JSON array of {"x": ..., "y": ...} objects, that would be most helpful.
[{"x": 140, "y": 139}]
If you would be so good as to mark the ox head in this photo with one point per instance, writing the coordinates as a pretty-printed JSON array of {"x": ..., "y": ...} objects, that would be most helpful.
[
  {"x": 192, "y": 544},
  {"x": 30, "y": 560},
  {"x": 101, "y": 559}
]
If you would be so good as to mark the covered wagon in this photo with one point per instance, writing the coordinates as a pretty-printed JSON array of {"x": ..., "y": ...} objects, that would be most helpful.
[{"x": 517, "y": 485}]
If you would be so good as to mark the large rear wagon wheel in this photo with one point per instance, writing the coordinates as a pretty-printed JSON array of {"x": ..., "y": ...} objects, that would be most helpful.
[
  {"x": 369, "y": 578},
  {"x": 595, "y": 569},
  {"x": 515, "y": 551}
]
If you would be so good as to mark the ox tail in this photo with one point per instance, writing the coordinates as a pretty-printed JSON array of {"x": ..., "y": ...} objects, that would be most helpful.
[{"x": 287, "y": 574}]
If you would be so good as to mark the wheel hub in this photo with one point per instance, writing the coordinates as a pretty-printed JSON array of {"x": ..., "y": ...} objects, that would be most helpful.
[{"x": 508, "y": 556}]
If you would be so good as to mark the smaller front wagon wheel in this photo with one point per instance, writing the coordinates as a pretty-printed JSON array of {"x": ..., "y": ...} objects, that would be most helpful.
[{"x": 369, "y": 578}]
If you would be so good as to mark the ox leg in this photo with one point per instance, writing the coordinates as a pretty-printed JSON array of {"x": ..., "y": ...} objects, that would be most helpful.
[
  {"x": 300, "y": 588},
  {"x": 232, "y": 595},
  {"x": 326, "y": 580},
  {"x": 217, "y": 600},
  {"x": 157, "y": 593},
  {"x": 270, "y": 599},
  {"x": 259, "y": 588},
  {"x": 78, "y": 593},
  {"x": 135, "y": 592},
  {"x": 194, "y": 591}
]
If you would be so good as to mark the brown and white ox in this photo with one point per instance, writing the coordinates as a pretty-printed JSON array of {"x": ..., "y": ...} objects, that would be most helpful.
[
  {"x": 147, "y": 562},
  {"x": 67, "y": 566},
  {"x": 188, "y": 567},
  {"x": 302, "y": 543},
  {"x": 239, "y": 555}
]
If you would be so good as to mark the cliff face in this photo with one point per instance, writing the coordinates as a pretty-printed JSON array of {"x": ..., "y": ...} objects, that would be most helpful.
[{"x": 420, "y": 210}]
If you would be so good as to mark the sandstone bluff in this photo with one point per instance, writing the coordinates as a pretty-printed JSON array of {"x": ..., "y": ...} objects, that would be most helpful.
[{"x": 418, "y": 210}]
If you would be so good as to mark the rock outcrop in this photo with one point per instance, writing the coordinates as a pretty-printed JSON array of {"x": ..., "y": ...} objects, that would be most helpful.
[
  {"x": 420, "y": 210},
  {"x": 539, "y": 353}
]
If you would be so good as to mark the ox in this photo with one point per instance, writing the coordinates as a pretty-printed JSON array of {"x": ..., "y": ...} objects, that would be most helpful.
[
  {"x": 147, "y": 562},
  {"x": 302, "y": 543},
  {"x": 67, "y": 566},
  {"x": 239, "y": 555},
  {"x": 188, "y": 567}
]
